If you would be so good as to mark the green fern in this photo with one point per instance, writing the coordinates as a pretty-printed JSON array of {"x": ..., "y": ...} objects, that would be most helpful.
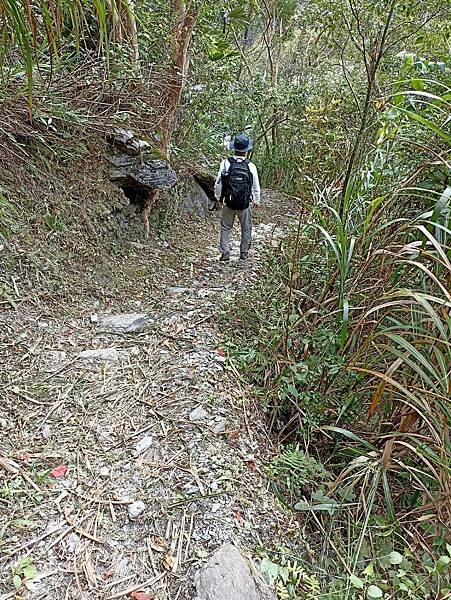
[
  {"x": 291, "y": 580},
  {"x": 293, "y": 470}
]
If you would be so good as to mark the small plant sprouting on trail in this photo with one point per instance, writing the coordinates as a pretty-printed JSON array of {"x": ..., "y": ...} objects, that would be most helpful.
[{"x": 23, "y": 570}]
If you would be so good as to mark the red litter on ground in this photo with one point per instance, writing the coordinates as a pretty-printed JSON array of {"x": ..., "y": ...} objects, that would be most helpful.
[
  {"x": 220, "y": 351},
  {"x": 59, "y": 471},
  {"x": 141, "y": 596}
]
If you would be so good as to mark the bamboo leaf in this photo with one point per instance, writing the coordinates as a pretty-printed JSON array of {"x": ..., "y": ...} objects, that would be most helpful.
[{"x": 427, "y": 123}]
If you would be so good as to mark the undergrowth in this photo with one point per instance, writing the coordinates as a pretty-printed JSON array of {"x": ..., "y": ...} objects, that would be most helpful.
[{"x": 346, "y": 344}]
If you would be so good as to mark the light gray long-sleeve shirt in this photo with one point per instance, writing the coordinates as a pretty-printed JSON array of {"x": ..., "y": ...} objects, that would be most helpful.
[{"x": 255, "y": 181}]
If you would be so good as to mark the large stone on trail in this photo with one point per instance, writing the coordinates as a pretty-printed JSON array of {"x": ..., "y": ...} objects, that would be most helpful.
[
  {"x": 228, "y": 576},
  {"x": 124, "y": 323}
]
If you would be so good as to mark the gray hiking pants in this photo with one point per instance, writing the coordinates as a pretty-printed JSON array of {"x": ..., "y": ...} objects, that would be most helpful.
[{"x": 228, "y": 218}]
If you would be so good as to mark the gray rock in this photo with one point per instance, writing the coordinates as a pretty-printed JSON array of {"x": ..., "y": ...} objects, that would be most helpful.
[
  {"x": 104, "y": 472},
  {"x": 219, "y": 426},
  {"x": 136, "y": 166},
  {"x": 124, "y": 323},
  {"x": 143, "y": 445},
  {"x": 54, "y": 359},
  {"x": 228, "y": 576},
  {"x": 125, "y": 140},
  {"x": 105, "y": 354},
  {"x": 120, "y": 136},
  {"x": 152, "y": 174},
  {"x": 198, "y": 414},
  {"x": 73, "y": 543},
  {"x": 141, "y": 175},
  {"x": 135, "y": 509},
  {"x": 195, "y": 199}
]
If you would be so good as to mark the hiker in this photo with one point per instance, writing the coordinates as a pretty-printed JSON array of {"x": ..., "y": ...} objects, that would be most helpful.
[{"x": 237, "y": 188}]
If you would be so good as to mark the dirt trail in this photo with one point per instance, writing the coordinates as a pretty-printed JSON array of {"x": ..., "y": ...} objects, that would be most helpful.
[{"x": 164, "y": 456}]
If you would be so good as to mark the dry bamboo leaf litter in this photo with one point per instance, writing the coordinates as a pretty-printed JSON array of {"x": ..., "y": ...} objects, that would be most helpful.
[{"x": 123, "y": 430}]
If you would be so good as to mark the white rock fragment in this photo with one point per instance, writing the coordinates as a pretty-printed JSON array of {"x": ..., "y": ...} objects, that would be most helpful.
[
  {"x": 125, "y": 499},
  {"x": 73, "y": 543},
  {"x": 102, "y": 354},
  {"x": 172, "y": 320},
  {"x": 54, "y": 359},
  {"x": 136, "y": 478},
  {"x": 94, "y": 318},
  {"x": 135, "y": 509},
  {"x": 220, "y": 426},
  {"x": 220, "y": 359},
  {"x": 143, "y": 445},
  {"x": 198, "y": 414},
  {"x": 124, "y": 323},
  {"x": 178, "y": 290},
  {"x": 46, "y": 431},
  {"x": 104, "y": 472}
]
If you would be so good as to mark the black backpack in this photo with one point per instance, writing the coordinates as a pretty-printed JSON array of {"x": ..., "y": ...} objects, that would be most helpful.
[{"x": 237, "y": 184}]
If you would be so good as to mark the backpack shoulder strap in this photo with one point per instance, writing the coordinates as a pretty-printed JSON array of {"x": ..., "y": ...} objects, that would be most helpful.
[{"x": 231, "y": 160}]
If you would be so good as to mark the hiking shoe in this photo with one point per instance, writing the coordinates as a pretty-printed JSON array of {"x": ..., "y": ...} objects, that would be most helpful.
[
  {"x": 244, "y": 255},
  {"x": 224, "y": 257}
]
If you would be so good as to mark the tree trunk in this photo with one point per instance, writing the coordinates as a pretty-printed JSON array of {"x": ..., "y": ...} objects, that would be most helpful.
[{"x": 185, "y": 16}]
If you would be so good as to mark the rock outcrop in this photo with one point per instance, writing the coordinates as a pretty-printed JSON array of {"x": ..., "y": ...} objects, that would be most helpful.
[
  {"x": 134, "y": 165},
  {"x": 195, "y": 199}
]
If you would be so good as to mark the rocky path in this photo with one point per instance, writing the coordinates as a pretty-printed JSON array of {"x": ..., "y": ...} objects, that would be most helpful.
[{"x": 128, "y": 452}]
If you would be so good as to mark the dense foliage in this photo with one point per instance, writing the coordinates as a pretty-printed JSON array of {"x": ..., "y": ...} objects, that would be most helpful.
[{"x": 348, "y": 341}]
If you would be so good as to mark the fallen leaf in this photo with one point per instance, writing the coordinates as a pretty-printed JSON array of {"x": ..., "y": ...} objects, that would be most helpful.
[
  {"x": 59, "y": 471},
  {"x": 141, "y": 596},
  {"x": 239, "y": 518},
  {"x": 168, "y": 562},
  {"x": 158, "y": 544},
  {"x": 108, "y": 574},
  {"x": 220, "y": 351}
]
